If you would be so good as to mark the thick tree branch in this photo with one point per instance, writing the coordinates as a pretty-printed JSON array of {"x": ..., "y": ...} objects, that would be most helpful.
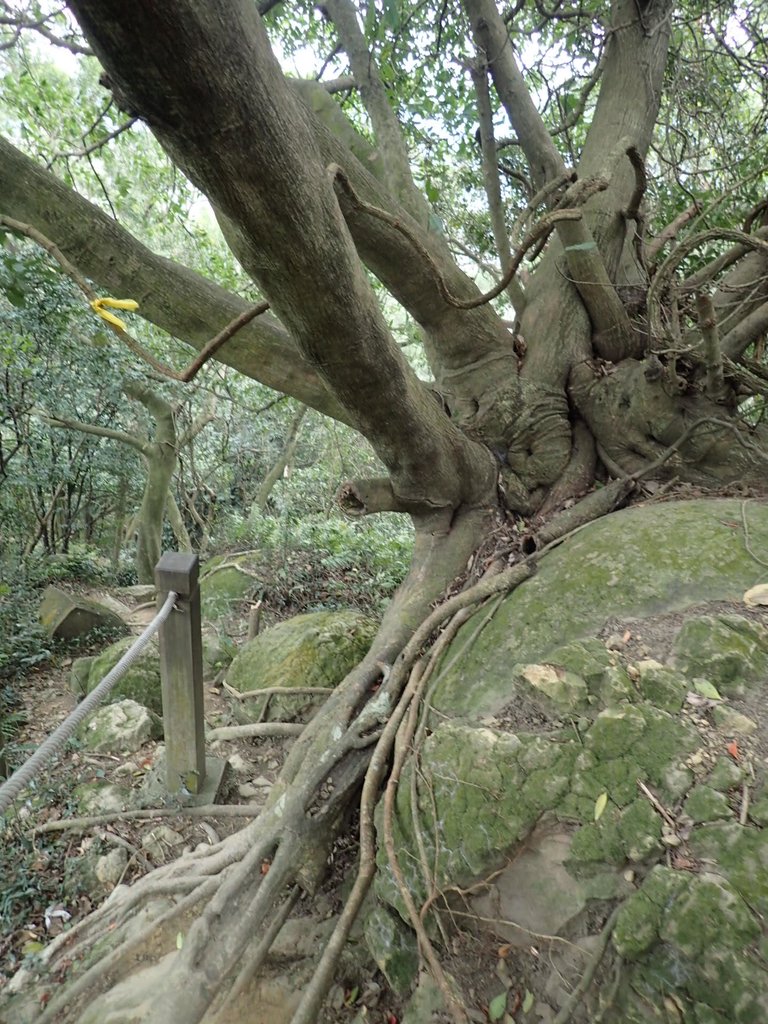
[
  {"x": 492, "y": 183},
  {"x": 175, "y": 298},
  {"x": 184, "y": 376},
  {"x": 391, "y": 142},
  {"x": 492, "y": 39},
  {"x": 454, "y": 341},
  {"x": 740, "y": 337},
  {"x": 213, "y": 93}
]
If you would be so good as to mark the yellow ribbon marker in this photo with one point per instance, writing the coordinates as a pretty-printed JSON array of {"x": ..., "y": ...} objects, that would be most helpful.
[{"x": 98, "y": 307}]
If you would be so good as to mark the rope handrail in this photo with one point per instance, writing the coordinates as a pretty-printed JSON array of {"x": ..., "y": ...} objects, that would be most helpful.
[{"x": 48, "y": 749}]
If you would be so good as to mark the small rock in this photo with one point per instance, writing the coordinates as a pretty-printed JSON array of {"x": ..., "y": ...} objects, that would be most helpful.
[
  {"x": 160, "y": 841},
  {"x": 733, "y": 722},
  {"x": 238, "y": 763},
  {"x": 616, "y": 642},
  {"x": 109, "y": 868},
  {"x": 247, "y": 791},
  {"x": 262, "y": 781}
]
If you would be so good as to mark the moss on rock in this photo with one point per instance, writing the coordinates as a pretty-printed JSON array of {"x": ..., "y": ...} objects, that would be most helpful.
[
  {"x": 317, "y": 649},
  {"x": 728, "y": 650},
  {"x": 141, "y": 682}
]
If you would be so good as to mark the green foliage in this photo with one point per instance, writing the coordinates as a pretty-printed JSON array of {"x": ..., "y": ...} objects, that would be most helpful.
[
  {"x": 320, "y": 562},
  {"x": 24, "y": 644}
]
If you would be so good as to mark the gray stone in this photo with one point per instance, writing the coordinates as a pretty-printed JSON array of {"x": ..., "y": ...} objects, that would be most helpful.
[
  {"x": 732, "y": 722},
  {"x": 67, "y": 616},
  {"x": 160, "y": 843},
  {"x": 120, "y": 727},
  {"x": 111, "y": 867},
  {"x": 101, "y": 797},
  {"x": 562, "y": 691},
  {"x": 534, "y": 893}
]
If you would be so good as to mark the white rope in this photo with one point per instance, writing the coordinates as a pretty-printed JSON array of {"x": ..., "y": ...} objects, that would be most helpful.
[{"x": 48, "y": 749}]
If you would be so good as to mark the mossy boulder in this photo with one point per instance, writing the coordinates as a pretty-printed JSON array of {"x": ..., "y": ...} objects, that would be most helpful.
[
  {"x": 729, "y": 651},
  {"x": 560, "y": 772},
  {"x": 615, "y": 567},
  {"x": 66, "y": 616},
  {"x": 696, "y": 936},
  {"x": 226, "y": 581},
  {"x": 313, "y": 650},
  {"x": 141, "y": 682}
]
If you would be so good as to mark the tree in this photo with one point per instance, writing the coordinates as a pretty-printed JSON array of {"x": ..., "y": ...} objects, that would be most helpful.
[
  {"x": 160, "y": 453},
  {"x": 633, "y": 354}
]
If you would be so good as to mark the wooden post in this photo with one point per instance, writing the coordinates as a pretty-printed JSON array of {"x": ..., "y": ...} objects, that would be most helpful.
[{"x": 181, "y": 673}]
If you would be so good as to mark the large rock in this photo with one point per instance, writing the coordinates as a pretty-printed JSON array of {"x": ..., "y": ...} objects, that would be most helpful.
[
  {"x": 141, "y": 682},
  {"x": 317, "y": 649},
  {"x": 558, "y": 773},
  {"x": 226, "y": 581},
  {"x": 637, "y": 562},
  {"x": 68, "y": 616},
  {"x": 121, "y": 727}
]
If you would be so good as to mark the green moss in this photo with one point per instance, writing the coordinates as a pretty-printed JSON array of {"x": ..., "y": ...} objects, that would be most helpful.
[
  {"x": 394, "y": 948},
  {"x": 614, "y": 732},
  {"x": 741, "y": 854},
  {"x": 708, "y": 914},
  {"x": 604, "y": 676},
  {"x": 707, "y": 804},
  {"x": 596, "y": 575},
  {"x": 640, "y": 831},
  {"x": 665, "y": 743},
  {"x": 599, "y": 842},
  {"x": 660, "y": 686},
  {"x": 141, "y": 681},
  {"x": 618, "y": 778},
  {"x": 318, "y": 649},
  {"x": 725, "y": 775},
  {"x": 728, "y": 650}
]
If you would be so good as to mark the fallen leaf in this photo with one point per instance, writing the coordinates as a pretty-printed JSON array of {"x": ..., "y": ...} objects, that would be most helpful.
[
  {"x": 504, "y": 950},
  {"x": 706, "y": 689},
  {"x": 497, "y": 1006},
  {"x": 265, "y": 866},
  {"x": 528, "y": 1002},
  {"x": 733, "y": 750},
  {"x": 627, "y": 637},
  {"x": 600, "y": 804},
  {"x": 179, "y": 940}
]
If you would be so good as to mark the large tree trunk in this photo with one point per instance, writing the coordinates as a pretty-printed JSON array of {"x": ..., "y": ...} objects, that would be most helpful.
[{"x": 588, "y": 386}]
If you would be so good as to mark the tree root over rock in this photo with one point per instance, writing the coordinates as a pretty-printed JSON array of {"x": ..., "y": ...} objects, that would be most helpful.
[{"x": 207, "y": 920}]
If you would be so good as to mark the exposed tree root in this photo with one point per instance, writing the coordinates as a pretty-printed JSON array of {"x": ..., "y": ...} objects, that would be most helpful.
[
  {"x": 213, "y": 901},
  {"x": 149, "y": 814}
]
